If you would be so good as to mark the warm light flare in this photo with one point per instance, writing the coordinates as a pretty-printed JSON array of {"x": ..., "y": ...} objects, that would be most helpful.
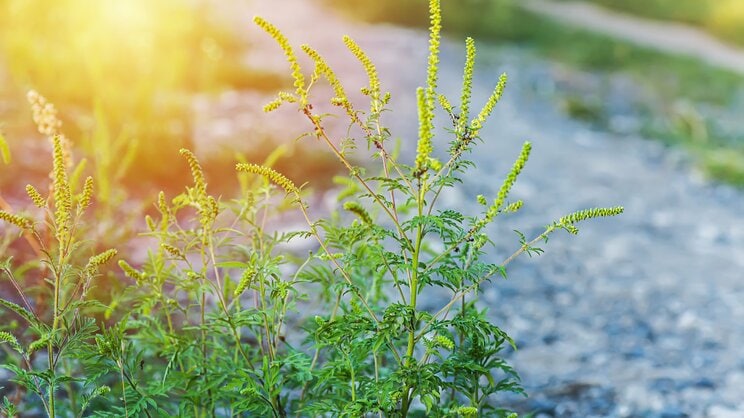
[
  {"x": 121, "y": 71},
  {"x": 727, "y": 19}
]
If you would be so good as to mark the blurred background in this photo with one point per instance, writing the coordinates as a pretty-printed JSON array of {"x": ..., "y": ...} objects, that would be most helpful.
[{"x": 632, "y": 102}]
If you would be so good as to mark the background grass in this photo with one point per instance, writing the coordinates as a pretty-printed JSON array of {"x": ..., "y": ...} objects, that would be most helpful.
[{"x": 722, "y": 18}]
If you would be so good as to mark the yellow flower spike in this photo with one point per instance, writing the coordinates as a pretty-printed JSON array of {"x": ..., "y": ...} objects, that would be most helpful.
[
  {"x": 513, "y": 207},
  {"x": 445, "y": 342},
  {"x": 467, "y": 85},
  {"x": 506, "y": 186},
  {"x": 35, "y": 196},
  {"x": 445, "y": 103},
  {"x": 172, "y": 250},
  {"x": 369, "y": 67},
  {"x": 44, "y": 114},
  {"x": 164, "y": 211},
  {"x": 272, "y": 105},
  {"x": 567, "y": 221},
  {"x": 206, "y": 206},
  {"x": 591, "y": 213},
  {"x": 100, "y": 259},
  {"x": 129, "y": 271},
  {"x": 435, "y": 13},
  {"x": 212, "y": 209},
  {"x": 245, "y": 280},
  {"x": 150, "y": 223},
  {"x": 62, "y": 194},
  {"x": 511, "y": 178},
  {"x": 426, "y": 98},
  {"x": 299, "y": 79},
  {"x": 424, "y": 147},
  {"x": 283, "y": 96},
  {"x": 271, "y": 174},
  {"x": 322, "y": 67},
  {"x": 87, "y": 192},
  {"x": 359, "y": 211},
  {"x": 17, "y": 220},
  {"x": 477, "y": 123},
  {"x": 200, "y": 185},
  {"x": 287, "y": 97}
]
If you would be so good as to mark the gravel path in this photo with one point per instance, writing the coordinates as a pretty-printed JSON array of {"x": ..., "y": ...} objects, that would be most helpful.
[
  {"x": 638, "y": 316},
  {"x": 668, "y": 37}
]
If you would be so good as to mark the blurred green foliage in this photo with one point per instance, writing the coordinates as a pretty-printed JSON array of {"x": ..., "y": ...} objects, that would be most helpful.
[
  {"x": 723, "y": 18},
  {"x": 138, "y": 62}
]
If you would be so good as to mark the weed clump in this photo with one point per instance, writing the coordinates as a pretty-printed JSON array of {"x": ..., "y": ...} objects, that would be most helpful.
[{"x": 222, "y": 319}]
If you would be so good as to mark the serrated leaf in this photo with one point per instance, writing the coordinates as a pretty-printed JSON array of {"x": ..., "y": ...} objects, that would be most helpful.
[
  {"x": 21, "y": 311},
  {"x": 6, "y": 337}
]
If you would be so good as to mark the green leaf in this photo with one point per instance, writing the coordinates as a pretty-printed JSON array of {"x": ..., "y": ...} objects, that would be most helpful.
[
  {"x": 22, "y": 312},
  {"x": 8, "y": 408},
  {"x": 6, "y": 337}
]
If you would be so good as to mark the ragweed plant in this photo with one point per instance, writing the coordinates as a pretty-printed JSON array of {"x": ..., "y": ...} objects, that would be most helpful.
[
  {"x": 375, "y": 350},
  {"x": 49, "y": 350},
  {"x": 211, "y": 304}
]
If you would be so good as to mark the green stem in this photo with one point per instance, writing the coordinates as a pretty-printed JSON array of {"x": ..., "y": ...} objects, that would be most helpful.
[
  {"x": 72, "y": 393},
  {"x": 121, "y": 363},
  {"x": 414, "y": 288},
  {"x": 51, "y": 386},
  {"x": 353, "y": 380},
  {"x": 204, "y": 341},
  {"x": 50, "y": 343}
]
